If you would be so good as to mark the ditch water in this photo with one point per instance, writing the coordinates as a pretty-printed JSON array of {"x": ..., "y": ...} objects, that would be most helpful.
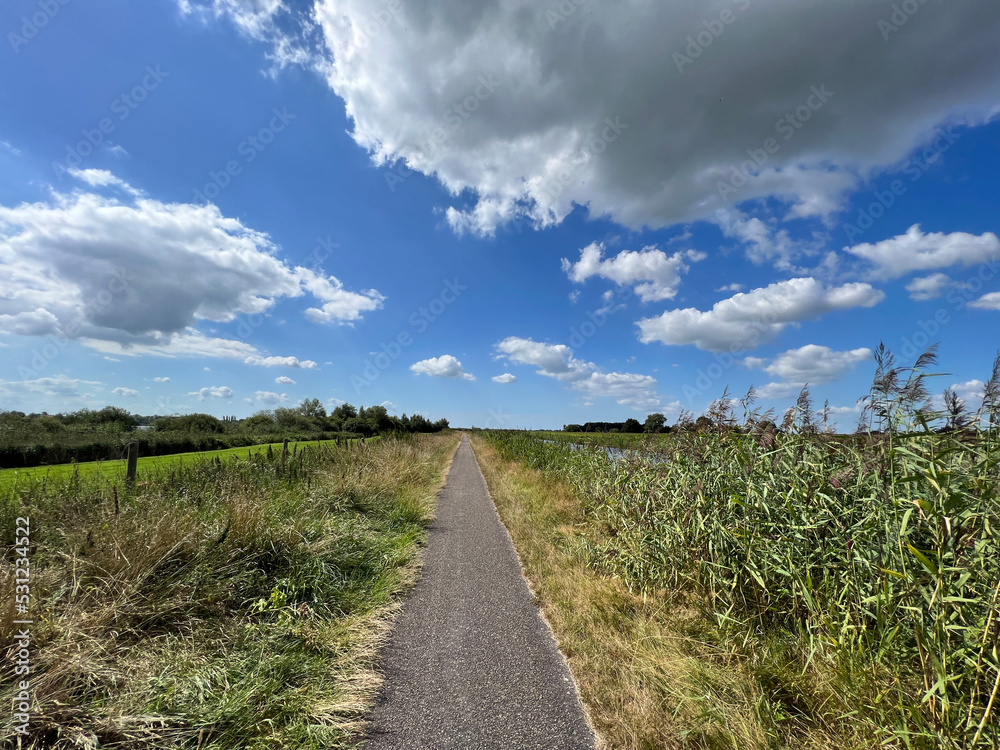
[{"x": 615, "y": 454}]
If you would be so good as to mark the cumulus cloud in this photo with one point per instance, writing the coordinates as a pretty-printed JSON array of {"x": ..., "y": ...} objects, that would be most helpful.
[
  {"x": 445, "y": 366},
  {"x": 659, "y": 273},
  {"x": 122, "y": 391},
  {"x": 270, "y": 397},
  {"x": 284, "y": 380},
  {"x": 811, "y": 364},
  {"x": 535, "y": 112},
  {"x": 930, "y": 287},
  {"x": 161, "y": 380},
  {"x": 989, "y": 301},
  {"x": 554, "y": 360},
  {"x": 917, "y": 251},
  {"x": 137, "y": 277},
  {"x": 746, "y": 320},
  {"x": 307, "y": 364},
  {"x": 557, "y": 361},
  {"x": 505, "y": 378},
  {"x": 215, "y": 391}
]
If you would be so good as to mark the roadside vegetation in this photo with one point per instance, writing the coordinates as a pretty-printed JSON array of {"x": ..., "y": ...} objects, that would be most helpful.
[
  {"x": 756, "y": 585},
  {"x": 230, "y": 603},
  {"x": 98, "y": 435}
]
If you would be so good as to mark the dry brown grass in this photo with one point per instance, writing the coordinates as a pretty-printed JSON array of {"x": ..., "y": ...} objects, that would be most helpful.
[
  {"x": 231, "y": 606},
  {"x": 648, "y": 669}
]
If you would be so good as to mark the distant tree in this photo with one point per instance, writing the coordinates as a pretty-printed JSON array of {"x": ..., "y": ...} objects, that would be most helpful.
[
  {"x": 631, "y": 426},
  {"x": 343, "y": 412},
  {"x": 572, "y": 428},
  {"x": 261, "y": 422},
  {"x": 654, "y": 422},
  {"x": 312, "y": 407},
  {"x": 190, "y": 423},
  {"x": 703, "y": 424}
]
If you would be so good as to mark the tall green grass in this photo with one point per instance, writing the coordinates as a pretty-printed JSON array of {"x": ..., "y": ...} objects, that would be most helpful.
[
  {"x": 868, "y": 565},
  {"x": 220, "y": 604}
]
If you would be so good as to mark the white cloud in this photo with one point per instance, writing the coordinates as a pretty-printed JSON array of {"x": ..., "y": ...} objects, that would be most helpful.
[
  {"x": 59, "y": 389},
  {"x": 161, "y": 380},
  {"x": 101, "y": 178},
  {"x": 746, "y": 320},
  {"x": 730, "y": 288},
  {"x": 930, "y": 287},
  {"x": 284, "y": 380},
  {"x": 505, "y": 378},
  {"x": 917, "y": 251},
  {"x": 989, "y": 301},
  {"x": 270, "y": 397},
  {"x": 535, "y": 141},
  {"x": 445, "y": 366},
  {"x": 259, "y": 361},
  {"x": 810, "y": 364},
  {"x": 120, "y": 391},
  {"x": 659, "y": 273},
  {"x": 137, "y": 277},
  {"x": 557, "y": 361},
  {"x": 215, "y": 391},
  {"x": 971, "y": 391},
  {"x": 554, "y": 360}
]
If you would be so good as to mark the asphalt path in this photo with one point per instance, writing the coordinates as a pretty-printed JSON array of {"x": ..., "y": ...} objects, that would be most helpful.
[{"x": 470, "y": 663}]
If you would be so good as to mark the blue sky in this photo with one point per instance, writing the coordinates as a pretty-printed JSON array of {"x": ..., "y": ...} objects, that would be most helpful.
[{"x": 503, "y": 213}]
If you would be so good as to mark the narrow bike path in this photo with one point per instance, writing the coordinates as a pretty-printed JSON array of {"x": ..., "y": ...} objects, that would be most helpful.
[{"x": 470, "y": 663}]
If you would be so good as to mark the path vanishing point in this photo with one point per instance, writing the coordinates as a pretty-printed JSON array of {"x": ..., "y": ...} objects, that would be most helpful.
[{"x": 470, "y": 663}]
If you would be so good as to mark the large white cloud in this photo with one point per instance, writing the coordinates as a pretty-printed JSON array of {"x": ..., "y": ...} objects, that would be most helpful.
[
  {"x": 811, "y": 364},
  {"x": 137, "y": 277},
  {"x": 641, "y": 111},
  {"x": 654, "y": 274},
  {"x": 920, "y": 251},
  {"x": 445, "y": 366},
  {"x": 744, "y": 321}
]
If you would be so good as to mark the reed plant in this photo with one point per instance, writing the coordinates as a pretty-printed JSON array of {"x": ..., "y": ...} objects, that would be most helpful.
[{"x": 869, "y": 562}]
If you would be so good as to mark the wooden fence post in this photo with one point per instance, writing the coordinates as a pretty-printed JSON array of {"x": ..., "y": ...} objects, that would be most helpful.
[{"x": 133, "y": 463}]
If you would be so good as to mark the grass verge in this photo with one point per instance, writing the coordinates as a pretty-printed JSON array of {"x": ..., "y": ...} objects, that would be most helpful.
[
  {"x": 235, "y": 604},
  {"x": 653, "y": 671}
]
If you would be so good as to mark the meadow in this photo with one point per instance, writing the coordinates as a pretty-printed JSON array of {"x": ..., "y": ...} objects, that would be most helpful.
[
  {"x": 780, "y": 587},
  {"x": 234, "y": 601},
  {"x": 113, "y": 471}
]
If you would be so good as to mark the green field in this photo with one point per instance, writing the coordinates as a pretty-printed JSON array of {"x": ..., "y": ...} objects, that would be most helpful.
[{"x": 115, "y": 470}]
